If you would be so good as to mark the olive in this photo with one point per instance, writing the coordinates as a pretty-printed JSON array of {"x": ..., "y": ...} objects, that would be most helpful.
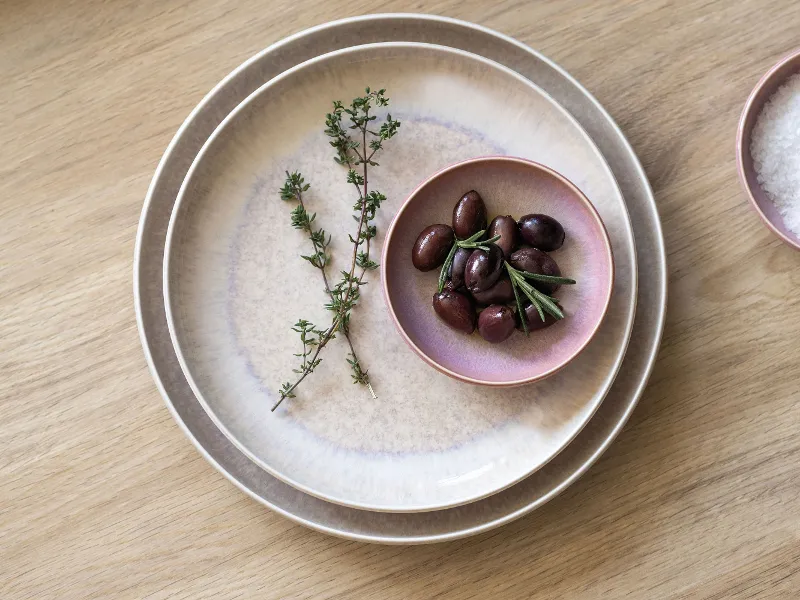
[
  {"x": 542, "y": 232},
  {"x": 456, "y": 273},
  {"x": 483, "y": 269},
  {"x": 499, "y": 293},
  {"x": 469, "y": 215},
  {"x": 456, "y": 310},
  {"x": 496, "y": 323},
  {"x": 506, "y": 228},
  {"x": 432, "y": 247},
  {"x": 536, "y": 261},
  {"x": 534, "y": 320}
]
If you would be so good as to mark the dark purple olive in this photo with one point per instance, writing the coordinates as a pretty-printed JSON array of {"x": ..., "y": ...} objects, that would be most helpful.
[
  {"x": 432, "y": 246},
  {"x": 469, "y": 215},
  {"x": 456, "y": 310},
  {"x": 534, "y": 320},
  {"x": 536, "y": 261},
  {"x": 499, "y": 293},
  {"x": 506, "y": 228},
  {"x": 483, "y": 269},
  {"x": 542, "y": 232},
  {"x": 458, "y": 265},
  {"x": 496, "y": 323}
]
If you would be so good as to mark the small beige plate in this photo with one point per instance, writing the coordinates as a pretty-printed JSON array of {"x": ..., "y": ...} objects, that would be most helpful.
[{"x": 234, "y": 285}]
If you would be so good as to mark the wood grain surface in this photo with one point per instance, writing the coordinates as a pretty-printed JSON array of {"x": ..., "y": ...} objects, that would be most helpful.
[{"x": 102, "y": 496}]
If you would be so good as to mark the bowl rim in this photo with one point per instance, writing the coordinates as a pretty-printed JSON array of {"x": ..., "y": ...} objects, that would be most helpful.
[
  {"x": 740, "y": 143},
  {"x": 530, "y": 164}
]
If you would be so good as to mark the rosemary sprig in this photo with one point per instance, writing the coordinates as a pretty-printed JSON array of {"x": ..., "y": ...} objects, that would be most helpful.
[
  {"x": 471, "y": 242},
  {"x": 519, "y": 284},
  {"x": 292, "y": 190},
  {"x": 542, "y": 302},
  {"x": 521, "y": 309},
  {"x": 352, "y": 153},
  {"x": 446, "y": 267}
]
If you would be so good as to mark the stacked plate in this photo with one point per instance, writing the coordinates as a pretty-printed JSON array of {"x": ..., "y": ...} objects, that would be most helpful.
[{"x": 219, "y": 281}]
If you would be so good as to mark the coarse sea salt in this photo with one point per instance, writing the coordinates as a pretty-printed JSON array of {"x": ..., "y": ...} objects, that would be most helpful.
[{"x": 775, "y": 148}]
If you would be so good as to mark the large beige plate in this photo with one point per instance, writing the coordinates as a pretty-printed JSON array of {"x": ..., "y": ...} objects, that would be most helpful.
[
  {"x": 380, "y": 527},
  {"x": 234, "y": 285}
]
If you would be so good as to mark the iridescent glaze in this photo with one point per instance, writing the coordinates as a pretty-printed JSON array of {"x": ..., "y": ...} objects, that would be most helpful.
[
  {"x": 508, "y": 186},
  {"x": 476, "y": 517}
]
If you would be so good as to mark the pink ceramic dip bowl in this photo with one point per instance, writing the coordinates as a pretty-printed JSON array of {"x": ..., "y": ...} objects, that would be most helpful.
[
  {"x": 508, "y": 186},
  {"x": 789, "y": 65}
]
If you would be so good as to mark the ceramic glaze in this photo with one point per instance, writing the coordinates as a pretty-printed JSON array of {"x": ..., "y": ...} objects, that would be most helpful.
[
  {"x": 428, "y": 442},
  {"x": 308, "y": 510},
  {"x": 507, "y": 186}
]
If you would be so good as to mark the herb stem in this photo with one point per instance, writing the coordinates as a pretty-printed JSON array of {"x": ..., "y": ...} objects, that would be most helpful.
[
  {"x": 288, "y": 392},
  {"x": 357, "y": 242},
  {"x": 296, "y": 188},
  {"x": 328, "y": 290},
  {"x": 542, "y": 302},
  {"x": 345, "y": 295},
  {"x": 470, "y": 243},
  {"x": 317, "y": 249},
  {"x": 328, "y": 336}
]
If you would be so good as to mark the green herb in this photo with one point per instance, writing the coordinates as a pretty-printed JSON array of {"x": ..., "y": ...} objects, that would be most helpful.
[
  {"x": 355, "y": 151},
  {"x": 293, "y": 189},
  {"x": 542, "y": 302},
  {"x": 470, "y": 242}
]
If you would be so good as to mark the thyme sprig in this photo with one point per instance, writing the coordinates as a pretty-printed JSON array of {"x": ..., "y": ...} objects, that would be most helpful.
[
  {"x": 355, "y": 144},
  {"x": 301, "y": 219},
  {"x": 293, "y": 189}
]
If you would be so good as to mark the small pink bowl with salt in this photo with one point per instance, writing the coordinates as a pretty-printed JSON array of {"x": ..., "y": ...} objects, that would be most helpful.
[{"x": 761, "y": 94}]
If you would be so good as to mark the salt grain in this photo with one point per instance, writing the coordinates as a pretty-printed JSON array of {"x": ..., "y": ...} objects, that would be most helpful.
[{"x": 775, "y": 148}]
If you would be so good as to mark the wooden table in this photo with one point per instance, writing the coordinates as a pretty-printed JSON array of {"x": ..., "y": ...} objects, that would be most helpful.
[{"x": 102, "y": 496}]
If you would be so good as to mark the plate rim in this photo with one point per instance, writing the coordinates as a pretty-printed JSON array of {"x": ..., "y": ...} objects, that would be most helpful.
[
  {"x": 423, "y": 22},
  {"x": 170, "y": 268}
]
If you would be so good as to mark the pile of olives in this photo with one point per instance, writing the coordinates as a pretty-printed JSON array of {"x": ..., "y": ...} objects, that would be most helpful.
[{"x": 477, "y": 291}]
